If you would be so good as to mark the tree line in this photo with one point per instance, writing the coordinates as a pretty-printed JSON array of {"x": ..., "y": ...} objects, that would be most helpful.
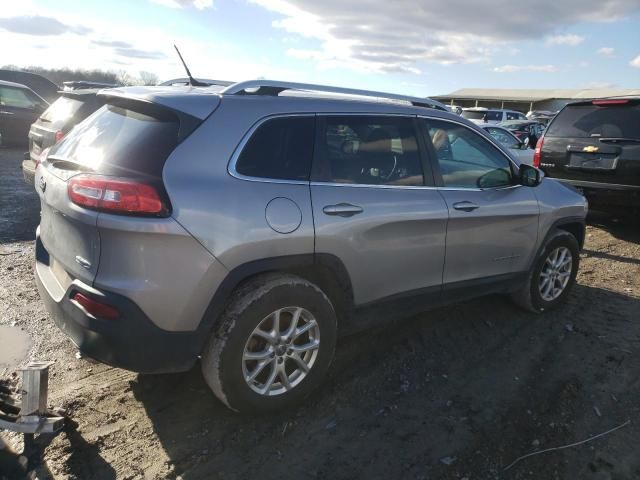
[{"x": 60, "y": 75}]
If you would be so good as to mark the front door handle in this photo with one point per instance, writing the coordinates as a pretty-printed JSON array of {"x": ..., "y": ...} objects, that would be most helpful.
[
  {"x": 4, "y": 112},
  {"x": 342, "y": 210},
  {"x": 465, "y": 206}
]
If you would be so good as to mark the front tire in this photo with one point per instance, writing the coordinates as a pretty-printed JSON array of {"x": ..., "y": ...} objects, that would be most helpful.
[
  {"x": 552, "y": 275},
  {"x": 273, "y": 345}
]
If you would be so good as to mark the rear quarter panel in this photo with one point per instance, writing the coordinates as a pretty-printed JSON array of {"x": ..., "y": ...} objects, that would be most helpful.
[{"x": 227, "y": 214}]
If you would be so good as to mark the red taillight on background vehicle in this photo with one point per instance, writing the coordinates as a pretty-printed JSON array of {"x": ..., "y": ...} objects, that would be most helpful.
[
  {"x": 537, "y": 152},
  {"x": 115, "y": 195},
  {"x": 95, "y": 308},
  {"x": 616, "y": 101},
  {"x": 59, "y": 135}
]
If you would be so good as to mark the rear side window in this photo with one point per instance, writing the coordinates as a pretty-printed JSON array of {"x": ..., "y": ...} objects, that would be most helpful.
[
  {"x": 584, "y": 121},
  {"x": 371, "y": 150},
  {"x": 61, "y": 111},
  {"x": 494, "y": 116},
  {"x": 120, "y": 141},
  {"x": 281, "y": 148}
]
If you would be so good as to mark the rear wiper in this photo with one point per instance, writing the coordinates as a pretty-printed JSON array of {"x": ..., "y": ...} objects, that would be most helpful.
[{"x": 619, "y": 140}]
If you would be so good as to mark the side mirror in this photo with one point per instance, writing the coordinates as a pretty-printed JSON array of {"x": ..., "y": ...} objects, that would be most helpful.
[
  {"x": 525, "y": 144},
  {"x": 529, "y": 176}
]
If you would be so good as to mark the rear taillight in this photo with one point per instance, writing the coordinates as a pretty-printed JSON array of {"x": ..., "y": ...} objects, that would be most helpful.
[
  {"x": 617, "y": 101},
  {"x": 537, "y": 152},
  {"x": 59, "y": 135},
  {"x": 115, "y": 195},
  {"x": 96, "y": 308}
]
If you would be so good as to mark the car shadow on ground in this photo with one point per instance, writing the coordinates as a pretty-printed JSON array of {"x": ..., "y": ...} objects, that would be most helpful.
[
  {"x": 625, "y": 228},
  {"x": 452, "y": 392}
]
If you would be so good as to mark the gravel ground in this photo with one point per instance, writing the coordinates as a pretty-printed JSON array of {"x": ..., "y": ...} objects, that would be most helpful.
[{"x": 454, "y": 393}]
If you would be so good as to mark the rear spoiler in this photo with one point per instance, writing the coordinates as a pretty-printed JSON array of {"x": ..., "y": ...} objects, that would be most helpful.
[
  {"x": 196, "y": 102},
  {"x": 191, "y": 109}
]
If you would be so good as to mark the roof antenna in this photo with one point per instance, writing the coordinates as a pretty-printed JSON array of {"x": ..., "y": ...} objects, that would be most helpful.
[{"x": 192, "y": 81}]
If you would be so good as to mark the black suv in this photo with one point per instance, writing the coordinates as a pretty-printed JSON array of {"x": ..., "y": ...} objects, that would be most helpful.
[
  {"x": 70, "y": 108},
  {"x": 594, "y": 145}
]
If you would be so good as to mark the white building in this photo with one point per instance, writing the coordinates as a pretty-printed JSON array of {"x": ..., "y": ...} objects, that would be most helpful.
[{"x": 524, "y": 100}]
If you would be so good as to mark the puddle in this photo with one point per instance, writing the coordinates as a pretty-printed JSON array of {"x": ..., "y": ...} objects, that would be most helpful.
[{"x": 14, "y": 346}]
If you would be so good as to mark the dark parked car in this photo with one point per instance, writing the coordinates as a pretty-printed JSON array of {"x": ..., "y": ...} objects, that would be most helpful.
[
  {"x": 522, "y": 129},
  {"x": 72, "y": 107},
  {"x": 40, "y": 85},
  {"x": 19, "y": 108},
  {"x": 595, "y": 146}
]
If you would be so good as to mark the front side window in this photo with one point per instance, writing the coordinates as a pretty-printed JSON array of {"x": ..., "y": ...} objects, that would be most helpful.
[
  {"x": 371, "y": 150},
  {"x": 15, "y": 97},
  {"x": 465, "y": 159},
  {"x": 281, "y": 148}
]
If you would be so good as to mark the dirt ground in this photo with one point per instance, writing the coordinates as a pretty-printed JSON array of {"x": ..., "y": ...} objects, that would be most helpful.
[{"x": 455, "y": 393}]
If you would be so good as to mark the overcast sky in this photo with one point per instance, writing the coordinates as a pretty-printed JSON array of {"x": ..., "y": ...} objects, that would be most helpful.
[{"x": 420, "y": 47}]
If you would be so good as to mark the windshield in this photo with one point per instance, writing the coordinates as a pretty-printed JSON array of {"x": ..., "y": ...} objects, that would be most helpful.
[
  {"x": 585, "y": 121},
  {"x": 61, "y": 110}
]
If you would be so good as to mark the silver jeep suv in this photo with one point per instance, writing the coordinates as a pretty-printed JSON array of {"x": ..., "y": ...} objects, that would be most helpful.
[{"x": 248, "y": 226}]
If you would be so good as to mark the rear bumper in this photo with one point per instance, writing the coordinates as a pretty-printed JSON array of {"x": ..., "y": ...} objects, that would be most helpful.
[
  {"x": 607, "y": 194},
  {"x": 131, "y": 342}
]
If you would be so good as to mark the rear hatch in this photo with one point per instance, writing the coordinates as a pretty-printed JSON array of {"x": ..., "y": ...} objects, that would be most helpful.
[
  {"x": 595, "y": 141},
  {"x": 54, "y": 119},
  {"x": 126, "y": 140}
]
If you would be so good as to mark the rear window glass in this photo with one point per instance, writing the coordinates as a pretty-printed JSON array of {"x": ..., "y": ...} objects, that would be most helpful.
[
  {"x": 583, "y": 121},
  {"x": 61, "y": 110},
  {"x": 120, "y": 141},
  {"x": 281, "y": 148}
]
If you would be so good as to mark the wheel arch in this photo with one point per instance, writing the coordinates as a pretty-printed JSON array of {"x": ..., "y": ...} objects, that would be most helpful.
[
  {"x": 575, "y": 226},
  {"x": 325, "y": 270}
]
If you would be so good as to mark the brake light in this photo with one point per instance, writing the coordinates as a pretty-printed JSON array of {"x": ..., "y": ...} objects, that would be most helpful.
[
  {"x": 95, "y": 308},
  {"x": 115, "y": 195},
  {"x": 537, "y": 152},
  {"x": 618, "y": 101},
  {"x": 59, "y": 135}
]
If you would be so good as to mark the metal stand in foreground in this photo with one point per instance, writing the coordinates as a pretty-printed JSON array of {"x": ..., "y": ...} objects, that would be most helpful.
[{"x": 32, "y": 416}]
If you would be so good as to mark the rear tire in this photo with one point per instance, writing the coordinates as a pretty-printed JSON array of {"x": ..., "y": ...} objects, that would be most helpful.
[
  {"x": 257, "y": 360},
  {"x": 538, "y": 295}
]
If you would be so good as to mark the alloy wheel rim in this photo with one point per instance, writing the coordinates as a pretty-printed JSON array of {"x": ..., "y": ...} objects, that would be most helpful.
[
  {"x": 555, "y": 273},
  {"x": 281, "y": 351}
]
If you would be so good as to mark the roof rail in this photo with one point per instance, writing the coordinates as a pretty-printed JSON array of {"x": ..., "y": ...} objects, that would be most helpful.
[{"x": 271, "y": 87}]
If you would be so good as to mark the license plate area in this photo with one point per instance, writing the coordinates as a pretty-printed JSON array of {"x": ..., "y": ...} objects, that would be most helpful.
[{"x": 579, "y": 161}]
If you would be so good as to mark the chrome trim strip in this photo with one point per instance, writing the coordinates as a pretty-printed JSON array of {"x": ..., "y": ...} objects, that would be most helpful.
[{"x": 231, "y": 167}]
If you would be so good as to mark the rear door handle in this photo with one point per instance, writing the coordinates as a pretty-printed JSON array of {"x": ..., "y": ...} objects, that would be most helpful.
[
  {"x": 342, "y": 210},
  {"x": 465, "y": 206},
  {"x": 4, "y": 112}
]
